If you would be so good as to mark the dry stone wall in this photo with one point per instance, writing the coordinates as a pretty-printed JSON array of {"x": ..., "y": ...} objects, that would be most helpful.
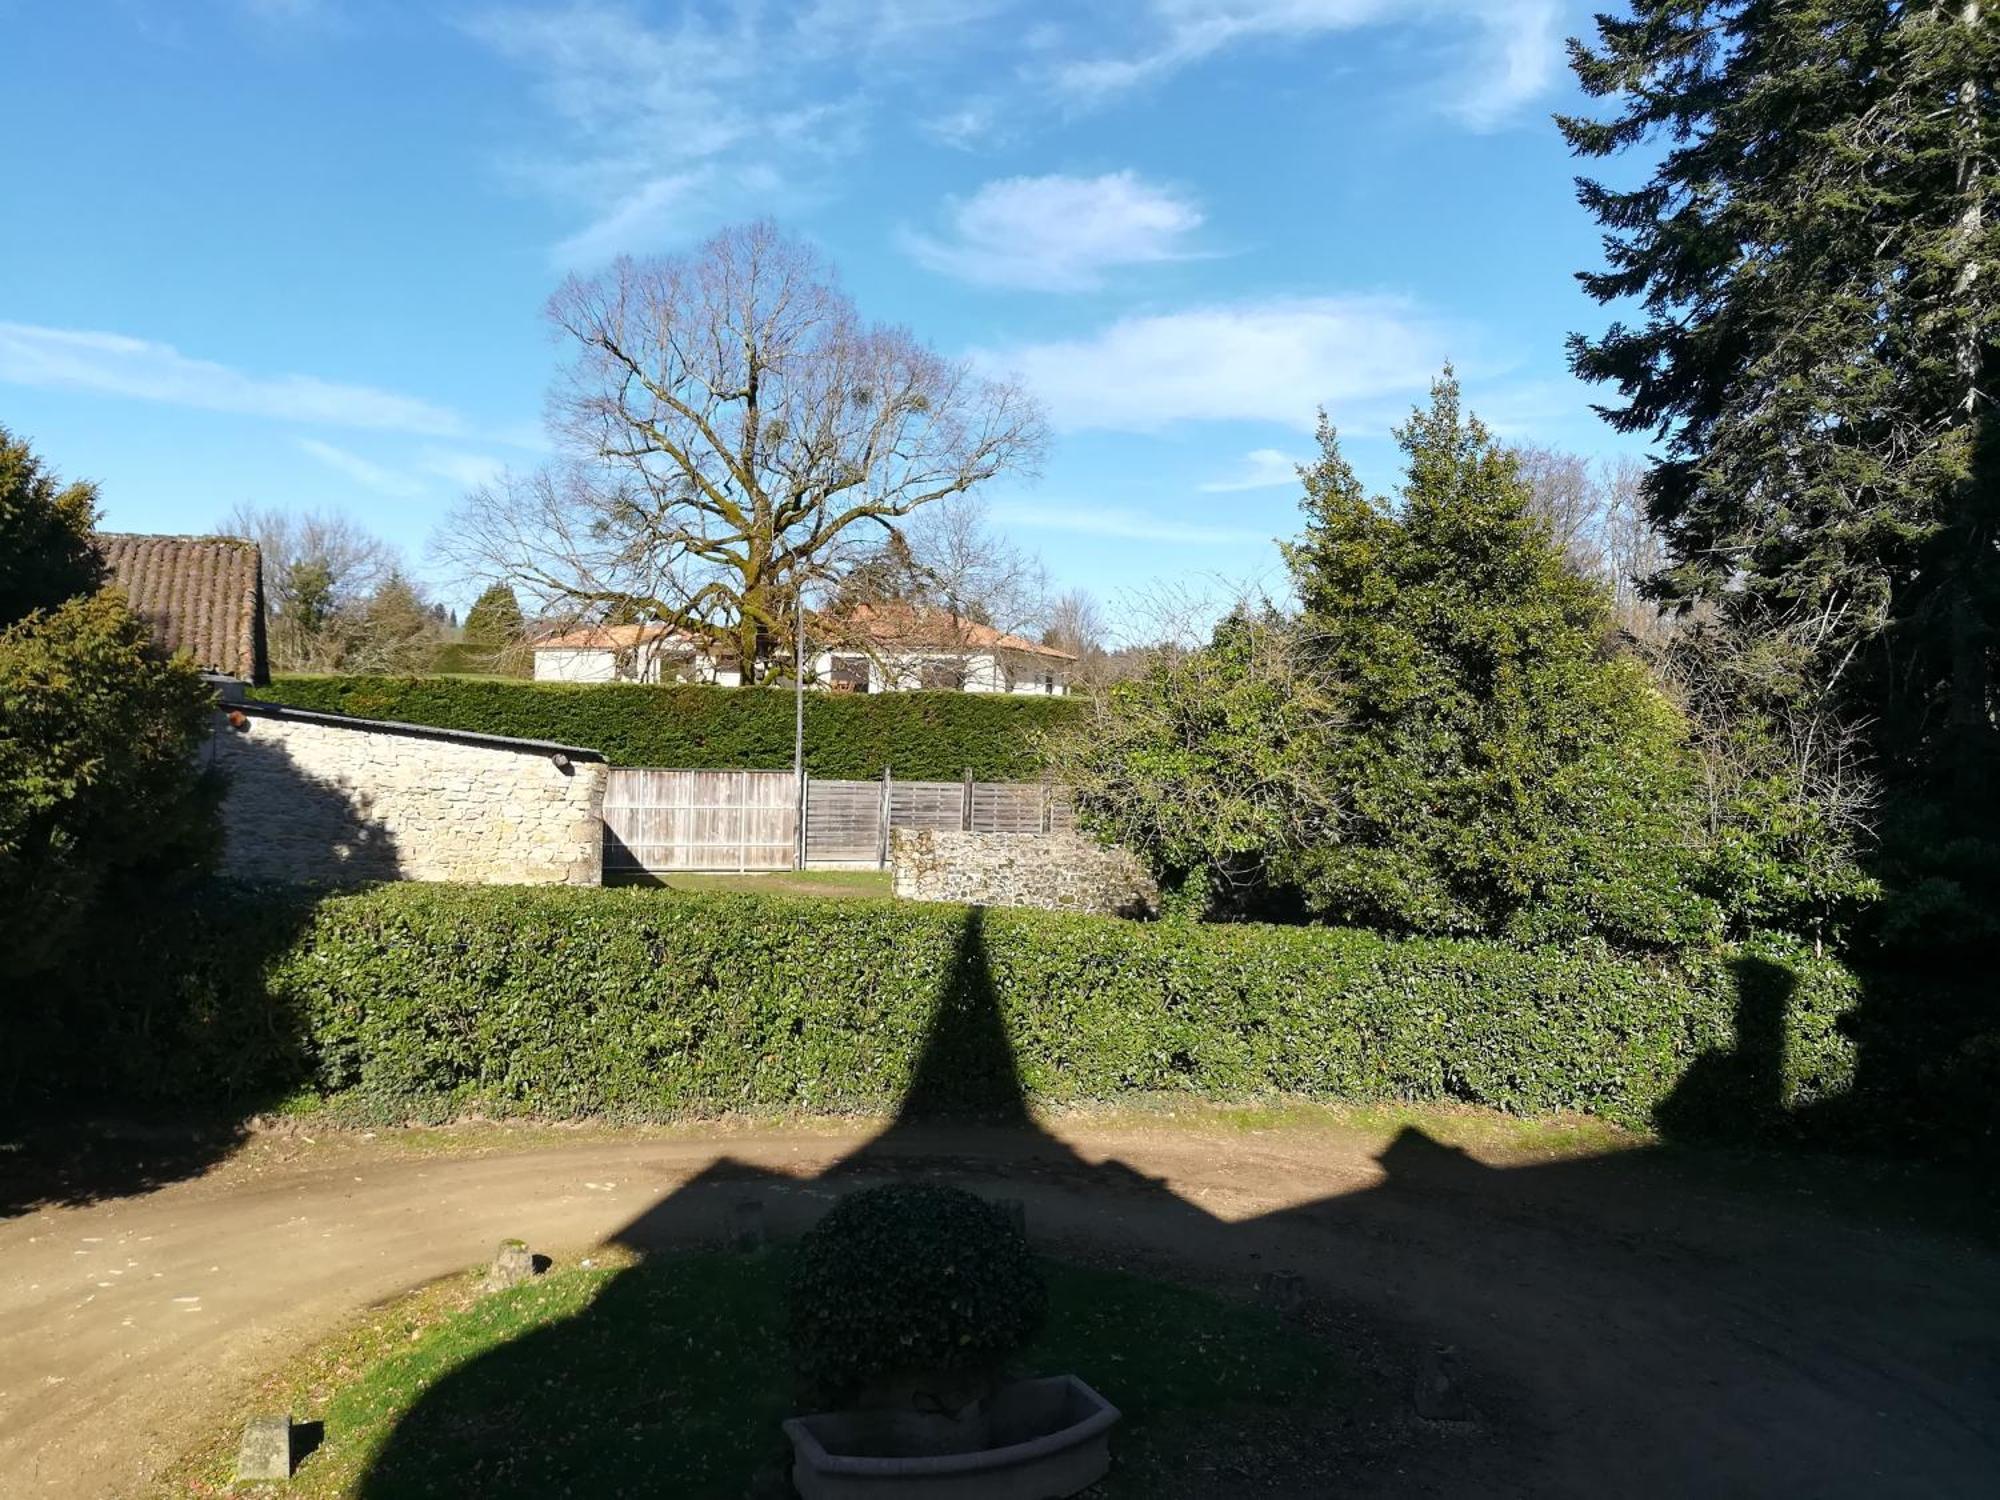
[
  {"x": 1056, "y": 871},
  {"x": 319, "y": 798}
]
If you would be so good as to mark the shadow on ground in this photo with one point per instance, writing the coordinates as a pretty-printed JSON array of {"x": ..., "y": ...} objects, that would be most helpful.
[
  {"x": 1558, "y": 1329},
  {"x": 110, "y": 1087}
]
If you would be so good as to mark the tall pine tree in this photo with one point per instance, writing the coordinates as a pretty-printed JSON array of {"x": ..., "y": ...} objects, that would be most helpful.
[{"x": 1814, "y": 257}]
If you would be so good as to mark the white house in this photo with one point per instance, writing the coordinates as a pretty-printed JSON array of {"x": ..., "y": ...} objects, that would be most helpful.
[
  {"x": 629, "y": 653},
  {"x": 878, "y": 651},
  {"x": 891, "y": 648}
]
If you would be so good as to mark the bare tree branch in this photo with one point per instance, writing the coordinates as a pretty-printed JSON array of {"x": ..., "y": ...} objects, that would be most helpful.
[{"x": 727, "y": 425}]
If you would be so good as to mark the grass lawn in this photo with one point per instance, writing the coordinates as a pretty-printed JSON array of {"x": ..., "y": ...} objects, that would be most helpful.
[
  {"x": 842, "y": 884},
  {"x": 669, "y": 1374}
]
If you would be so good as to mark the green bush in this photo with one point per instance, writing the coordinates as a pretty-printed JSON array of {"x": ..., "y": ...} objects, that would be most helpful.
[
  {"x": 102, "y": 799},
  {"x": 917, "y": 736},
  {"x": 910, "y": 1279},
  {"x": 423, "y": 1001}
]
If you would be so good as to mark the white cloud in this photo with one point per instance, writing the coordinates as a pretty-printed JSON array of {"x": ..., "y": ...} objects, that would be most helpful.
[
  {"x": 645, "y": 113},
  {"x": 647, "y": 215},
  {"x": 1129, "y": 525},
  {"x": 468, "y": 471},
  {"x": 662, "y": 128},
  {"x": 1513, "y": 47},
  {"x": 659, "y": 127},
  {"x": 367, "y": 474},
  {"x": 112, "y": 364},
  {"x": 1364, "y": 358},
  {"x": 1263, "y": 469},
  {"x": 965, "y": 127},
  {"x": 1059, "y": 233}
]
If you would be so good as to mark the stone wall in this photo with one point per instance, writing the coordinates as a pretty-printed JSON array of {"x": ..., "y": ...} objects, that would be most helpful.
[
  {"x": 1057, "y": 871},
  {"x": 321, "y": 798}
]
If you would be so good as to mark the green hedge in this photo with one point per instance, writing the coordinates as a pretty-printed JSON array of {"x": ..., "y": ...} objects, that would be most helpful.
[
  {"x": 918, "y": 736},
  {"x": 422, "y": 1001}
]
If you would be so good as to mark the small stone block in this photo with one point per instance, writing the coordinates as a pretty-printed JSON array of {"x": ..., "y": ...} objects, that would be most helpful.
[
  {"x": 1284, "y": 1290},
  {"x": 747, "y": 1229},
  {"x": 513, "y": 1264},
  {"x": 267, "y": 1449}
]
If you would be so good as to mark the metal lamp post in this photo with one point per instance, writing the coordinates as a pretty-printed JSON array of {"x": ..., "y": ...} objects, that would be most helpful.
[{"x": 799, "y": 729}]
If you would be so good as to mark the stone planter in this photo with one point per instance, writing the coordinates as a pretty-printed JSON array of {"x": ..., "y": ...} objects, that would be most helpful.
[{"x": 1042, "y": 1440}]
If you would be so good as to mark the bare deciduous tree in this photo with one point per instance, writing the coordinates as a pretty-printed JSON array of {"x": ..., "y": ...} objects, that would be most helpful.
[
  {"x": 1597, "y": 515},
  {"x": 320, "y": 570},
  {"x": 1633, "y": 550},
  {"x": 970, "y": 572},
  {"x": 1568, "y": 496},
  {"x": 1075, "y": 623},
  {"x": 931, "y": 583},
  {"x": 728, "y": 425}
]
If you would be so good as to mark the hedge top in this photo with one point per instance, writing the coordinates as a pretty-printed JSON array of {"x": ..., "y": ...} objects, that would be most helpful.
[{"x": 920, "y": 736}]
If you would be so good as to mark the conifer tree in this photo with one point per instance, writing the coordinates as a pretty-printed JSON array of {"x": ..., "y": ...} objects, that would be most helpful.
[
  {"x": 494, "y": 622},
  {"x": 1814, "y": 257}
]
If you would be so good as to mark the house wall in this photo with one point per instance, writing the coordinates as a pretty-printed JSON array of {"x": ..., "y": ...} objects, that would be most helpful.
[
  {"x": 575, "y": 665},
  {"x": 984, "y": 672},
  {"x": 591, "y": 664},
  {"x": 313, "y": 798},
  {"x": 1056, "y": 871}
]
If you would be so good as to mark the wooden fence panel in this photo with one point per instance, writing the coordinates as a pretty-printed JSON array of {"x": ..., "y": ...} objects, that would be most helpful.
[
  {"x": 748, "y": 820},
  {"x": 926, "y": 804},
  {"x": 1001, "y": 808},
  {"x": 843, "y": 822},
  {"x": 699, "y": 820}
]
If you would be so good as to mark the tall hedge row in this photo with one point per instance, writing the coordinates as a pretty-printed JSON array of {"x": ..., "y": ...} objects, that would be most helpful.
[
  {"x": 417, "y": 1001},
  {"x": 918, "y": 736}
]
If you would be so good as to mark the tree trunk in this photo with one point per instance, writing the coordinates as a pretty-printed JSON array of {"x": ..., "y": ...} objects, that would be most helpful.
[{"x": 1969, "y": 721}]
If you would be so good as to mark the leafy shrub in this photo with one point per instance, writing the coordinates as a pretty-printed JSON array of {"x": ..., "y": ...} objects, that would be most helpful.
[
  {"x": 910, "y": 1279},
  {"x": 423, "y": 1001},
  {"x": 917, "y": 736},
  {"x": 100, "y": 794},
  {"x": 1436, "y": 743}
]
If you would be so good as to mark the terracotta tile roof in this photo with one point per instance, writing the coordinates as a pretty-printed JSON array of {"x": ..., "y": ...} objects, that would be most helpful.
[
  {"x": 887, "y": 628},
  {"x": 612, "y": 638},
  {"x": 200, "y": 594},
  {"x": 896, "y": 627}
]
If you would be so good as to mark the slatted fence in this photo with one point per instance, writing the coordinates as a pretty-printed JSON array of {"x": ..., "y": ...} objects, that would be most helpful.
[
  {"x": 700, "y": 820},
  {"x": 656, "y": 821}
]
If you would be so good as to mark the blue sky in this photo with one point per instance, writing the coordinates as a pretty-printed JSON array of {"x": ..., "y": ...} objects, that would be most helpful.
[{"x": 294, "y": 252}]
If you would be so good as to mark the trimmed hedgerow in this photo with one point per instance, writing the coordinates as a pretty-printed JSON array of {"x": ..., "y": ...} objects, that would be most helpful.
[
  {"x": 423, "y": 1001},
  {"x": 918, "y": 736}
]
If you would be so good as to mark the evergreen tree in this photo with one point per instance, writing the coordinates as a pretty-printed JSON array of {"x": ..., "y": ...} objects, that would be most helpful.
[
  {"x": 1439, "y": 742},
  {"x": 1814, "y": 257},
  {"x": 46, "y": 553},
  {"x": 101, "y": 797},
  {"x": 494, "y": 622},
  {"x": 1505, "y": 774},
  {"x": 398, "y": 632}
]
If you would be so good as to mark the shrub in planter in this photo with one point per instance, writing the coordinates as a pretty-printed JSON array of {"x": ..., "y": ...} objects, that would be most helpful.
[{"x": 912, "y": 1295}]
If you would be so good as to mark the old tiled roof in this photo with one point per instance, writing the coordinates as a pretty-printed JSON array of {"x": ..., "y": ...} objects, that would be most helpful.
[
  {"x": 889, "y": 628},
  {"x": 200, "y": 594},
  {"x": 896, "y": 627},
  {"x": 612, "y": 638},
  {"x": 670, "y": 641}
]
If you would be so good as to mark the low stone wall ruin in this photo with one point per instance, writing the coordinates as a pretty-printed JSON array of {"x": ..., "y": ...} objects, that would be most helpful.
[{"x": 1055, "y": 871}]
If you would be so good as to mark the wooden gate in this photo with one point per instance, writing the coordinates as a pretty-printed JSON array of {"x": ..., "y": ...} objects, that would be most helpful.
[{"x": 700, "y": 820}]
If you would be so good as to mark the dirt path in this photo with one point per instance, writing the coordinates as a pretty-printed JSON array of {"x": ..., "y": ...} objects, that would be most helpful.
[{"x": 1624, "y": 1326}]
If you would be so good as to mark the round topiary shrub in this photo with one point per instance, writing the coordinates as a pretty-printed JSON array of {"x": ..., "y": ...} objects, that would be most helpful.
[{"x": 910, "y": 1280}]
